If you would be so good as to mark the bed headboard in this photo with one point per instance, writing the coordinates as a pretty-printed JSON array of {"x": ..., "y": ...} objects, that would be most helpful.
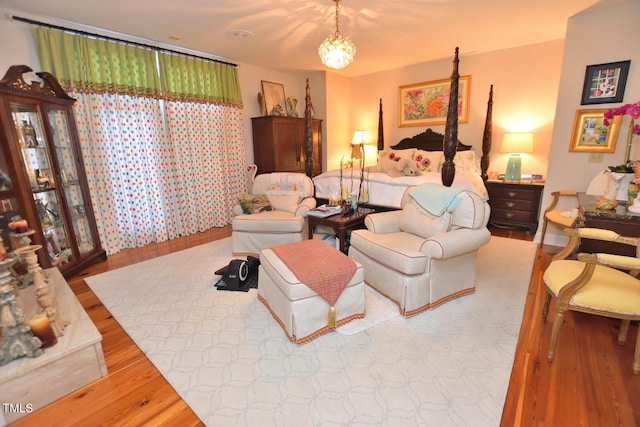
[{"x": 427, "y": 141}]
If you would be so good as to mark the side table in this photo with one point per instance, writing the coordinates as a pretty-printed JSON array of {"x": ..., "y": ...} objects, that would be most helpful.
[
  {"x": 340, "y": 224},
  {"x": 515, "y": 204}
]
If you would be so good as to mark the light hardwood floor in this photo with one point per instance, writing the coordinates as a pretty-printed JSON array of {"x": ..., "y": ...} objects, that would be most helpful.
[{"x": 589, "y": 383}]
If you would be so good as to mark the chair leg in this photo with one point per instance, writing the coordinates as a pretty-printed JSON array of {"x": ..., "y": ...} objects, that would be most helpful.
[
  {"x": 624, "y": 327},
  {"x": 544, "y": 231},
  {"x": 555, "y": 331},
  {"x": 545, "y": 307},
  {"x": 636, "y": 356}
]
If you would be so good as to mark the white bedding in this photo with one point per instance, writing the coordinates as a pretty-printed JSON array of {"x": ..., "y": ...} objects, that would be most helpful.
[{"x": 384, "y": 190}]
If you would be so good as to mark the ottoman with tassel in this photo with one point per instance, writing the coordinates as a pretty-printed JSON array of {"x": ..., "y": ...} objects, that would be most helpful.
[{"x": 310, "y": 288}]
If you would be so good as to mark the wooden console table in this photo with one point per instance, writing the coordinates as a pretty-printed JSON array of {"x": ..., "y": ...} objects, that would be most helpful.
[
  {"x": 75, "y": 361},
  {"x": 619, "y": 220}
]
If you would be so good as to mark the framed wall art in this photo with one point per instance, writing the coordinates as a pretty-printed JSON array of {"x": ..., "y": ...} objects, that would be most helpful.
[
  {"x": 605, "y": 83},
  {"x": 590, "y": 135},
  {"x": 274, "y": 99},
  {"x": 427, "y": 103}
]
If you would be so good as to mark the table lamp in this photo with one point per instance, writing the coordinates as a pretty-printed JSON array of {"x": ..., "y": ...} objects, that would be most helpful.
[
  {"x": 357, "y": 144},
  {"x": 516, "y": 143}
]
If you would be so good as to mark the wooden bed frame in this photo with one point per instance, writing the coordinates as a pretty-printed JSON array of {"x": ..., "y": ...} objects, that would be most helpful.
[
  {"x": 427, "y": 140},
  {"x": 433, "y": 141}
]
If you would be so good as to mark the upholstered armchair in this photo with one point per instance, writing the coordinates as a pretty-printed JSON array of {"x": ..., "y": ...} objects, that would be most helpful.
[
  {"x": 421, "y": 258},
  {"x": 278, "y": 203},
  {"x": 603, "y": 284}
]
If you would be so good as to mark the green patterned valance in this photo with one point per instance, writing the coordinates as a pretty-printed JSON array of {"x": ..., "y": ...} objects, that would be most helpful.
[
  {"x": 185, "y": 78},
  {"x": 88, "y": 64}
]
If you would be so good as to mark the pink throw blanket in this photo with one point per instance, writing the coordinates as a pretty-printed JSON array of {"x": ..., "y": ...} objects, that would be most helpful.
[{"x": 325, "y": 270}]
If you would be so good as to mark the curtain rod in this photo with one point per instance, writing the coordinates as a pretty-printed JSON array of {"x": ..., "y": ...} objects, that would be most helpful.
[{"x": 85, "y": 33}]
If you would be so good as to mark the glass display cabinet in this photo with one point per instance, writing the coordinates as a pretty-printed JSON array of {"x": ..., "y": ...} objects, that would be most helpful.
[{"x": 42, "y": 176}]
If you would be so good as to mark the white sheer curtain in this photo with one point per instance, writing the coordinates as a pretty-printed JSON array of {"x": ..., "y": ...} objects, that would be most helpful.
[
  {"x": 208, "y": 148},
  {"x": 156, "y": 174}
]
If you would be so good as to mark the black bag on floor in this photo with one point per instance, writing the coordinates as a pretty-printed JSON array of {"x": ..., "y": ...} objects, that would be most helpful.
[{"x": 239, "y": 275}]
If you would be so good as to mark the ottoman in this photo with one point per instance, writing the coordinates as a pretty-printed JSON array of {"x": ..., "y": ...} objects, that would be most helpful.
[{"x": 305, "y": 313}]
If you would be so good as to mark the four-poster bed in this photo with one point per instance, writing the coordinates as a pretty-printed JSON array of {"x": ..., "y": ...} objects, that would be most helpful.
[{"x": 441, "y": 158}]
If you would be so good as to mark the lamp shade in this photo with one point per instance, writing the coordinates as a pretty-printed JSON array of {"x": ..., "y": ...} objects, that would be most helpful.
[
  {"x": 516, "y": 143},
  {"x": 359, "y": 139}
]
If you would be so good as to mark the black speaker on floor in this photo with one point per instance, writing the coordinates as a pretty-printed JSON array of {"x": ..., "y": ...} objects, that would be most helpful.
[{"x": 239, "y": 275}]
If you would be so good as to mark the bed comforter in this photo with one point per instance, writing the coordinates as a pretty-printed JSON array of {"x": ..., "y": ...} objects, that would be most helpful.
[{"x": 384, "y": 190}]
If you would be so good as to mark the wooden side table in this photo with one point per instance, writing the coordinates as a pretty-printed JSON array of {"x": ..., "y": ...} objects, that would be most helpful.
[
  {"x": 340, "y": 224},
  {"x": 515, "y": 204}
]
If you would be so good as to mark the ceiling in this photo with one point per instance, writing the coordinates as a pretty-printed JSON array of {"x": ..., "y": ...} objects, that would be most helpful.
[{"x": 285, "y": 34}]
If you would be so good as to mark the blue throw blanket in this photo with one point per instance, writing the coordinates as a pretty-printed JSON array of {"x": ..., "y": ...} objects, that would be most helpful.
[{"x": 436, "y": 198}]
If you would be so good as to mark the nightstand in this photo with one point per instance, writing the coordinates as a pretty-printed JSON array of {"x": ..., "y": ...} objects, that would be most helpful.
[{"x": 515, "y": 204}]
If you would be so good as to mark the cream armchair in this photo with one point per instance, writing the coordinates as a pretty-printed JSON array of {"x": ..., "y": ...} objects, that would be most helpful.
[
  {"x": 420, "y": 260},
  {"x": 290, "y": 196}
]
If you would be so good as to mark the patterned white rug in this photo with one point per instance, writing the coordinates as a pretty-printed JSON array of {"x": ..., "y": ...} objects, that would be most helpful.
[{"x": 231, "y": 362}]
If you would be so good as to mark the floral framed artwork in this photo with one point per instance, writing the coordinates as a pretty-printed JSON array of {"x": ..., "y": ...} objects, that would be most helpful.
[
  {"x": 605, "y": 83},
  {"x": 274, "y": 99},
  {"x": 427, "y": 103},
  {"x": 591, "y": 135}
]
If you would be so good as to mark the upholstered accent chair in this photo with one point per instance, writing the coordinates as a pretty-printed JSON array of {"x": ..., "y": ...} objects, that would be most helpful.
[
  {"x": 601, "y": 284},
  {"x": 420, "y": 259},
  {"x": 565, "y": 218},
  {"x": 288, "y": 197}
]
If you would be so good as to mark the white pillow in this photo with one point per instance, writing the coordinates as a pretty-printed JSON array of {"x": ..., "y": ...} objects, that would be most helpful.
[
  {"x": 418, "y": 221},
  {"x": 397, "y": 154},
  {"x": 282, "y": 200},
  {"x": 427, "y": 161},
  {"x": 465, "y": 161}
]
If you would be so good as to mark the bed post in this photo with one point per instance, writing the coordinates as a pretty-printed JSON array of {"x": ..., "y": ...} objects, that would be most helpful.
[
  {"x": 380, "y": 131},
  {"x": 308, "y": 134},
  {"x": 486, "y": 138},
  {"x": 451, "y": 129}
]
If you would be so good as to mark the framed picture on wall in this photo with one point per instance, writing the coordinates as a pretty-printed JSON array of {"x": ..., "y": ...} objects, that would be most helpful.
[
  {"x": 590, "y": 135},
  {"x": 427, "y": 103},
  {"x": 274, "y": 99},
  {"x": 605, "y": 83}
]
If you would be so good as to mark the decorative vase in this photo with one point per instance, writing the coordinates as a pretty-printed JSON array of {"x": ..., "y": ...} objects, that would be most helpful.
[{"x": 619, "y": 185}]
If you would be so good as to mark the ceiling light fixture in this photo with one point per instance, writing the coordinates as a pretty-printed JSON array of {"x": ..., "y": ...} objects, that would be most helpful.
[{"x": 337, "y": 51}]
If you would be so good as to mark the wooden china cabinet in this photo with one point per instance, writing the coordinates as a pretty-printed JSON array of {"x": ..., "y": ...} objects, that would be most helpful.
[{"x": 42, "y": 176}]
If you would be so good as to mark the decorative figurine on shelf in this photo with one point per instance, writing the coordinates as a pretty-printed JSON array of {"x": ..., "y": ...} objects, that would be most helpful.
[
  {"x": 292, "y": 104},
  {"x": 29, "y": 133},
  {"x": 17, "y": 339}
]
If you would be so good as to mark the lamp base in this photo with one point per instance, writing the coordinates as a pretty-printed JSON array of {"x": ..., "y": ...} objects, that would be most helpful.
[{"x": 513, "y": 173}]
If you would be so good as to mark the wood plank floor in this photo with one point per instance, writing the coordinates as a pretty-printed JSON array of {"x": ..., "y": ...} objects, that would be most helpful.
[{"x": 589, "y": 383}]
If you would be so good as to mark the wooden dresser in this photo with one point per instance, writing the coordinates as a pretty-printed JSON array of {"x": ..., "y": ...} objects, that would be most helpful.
[
  {"x": 515, "y": 204},
  {"x": 278, "y": 144}
]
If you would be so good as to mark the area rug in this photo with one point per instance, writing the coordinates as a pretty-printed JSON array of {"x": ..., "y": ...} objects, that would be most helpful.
[{"x": 231, "y": 362}]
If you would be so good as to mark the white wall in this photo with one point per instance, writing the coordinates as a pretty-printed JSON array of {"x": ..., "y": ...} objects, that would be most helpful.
[{"x": 605, "y": 33}]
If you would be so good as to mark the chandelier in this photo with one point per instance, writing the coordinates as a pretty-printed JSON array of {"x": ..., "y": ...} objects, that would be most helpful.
[{"x": 337, "y": 51}]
